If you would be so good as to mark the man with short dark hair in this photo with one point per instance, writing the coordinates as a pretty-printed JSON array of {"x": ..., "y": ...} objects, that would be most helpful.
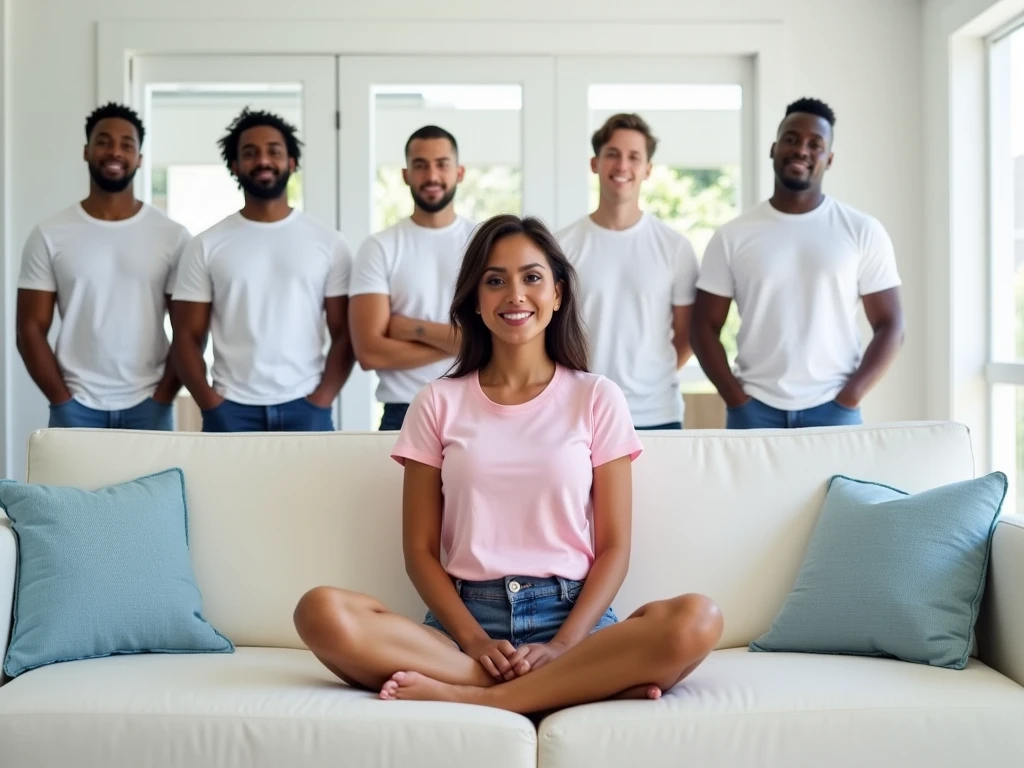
[
  {"x": 637, "y": 278},
  {"x": 107, "y": 264},
  {"x": 261, "y": 282},
  {"x": 403, "y": 281},
  {"x": 797, "y": 266}
]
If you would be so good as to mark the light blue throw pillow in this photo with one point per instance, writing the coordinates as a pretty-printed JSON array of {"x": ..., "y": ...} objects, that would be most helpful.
[
  {"x": 892, "y": 574},
  {"x": 103, "y": 572}
]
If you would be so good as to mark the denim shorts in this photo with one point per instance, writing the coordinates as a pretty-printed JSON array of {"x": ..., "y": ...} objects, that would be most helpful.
[{"x": 522, "y": 609}]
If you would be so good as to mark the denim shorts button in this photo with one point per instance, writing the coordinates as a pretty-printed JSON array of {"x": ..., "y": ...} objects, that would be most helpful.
[{"x": 513, "y": 586}]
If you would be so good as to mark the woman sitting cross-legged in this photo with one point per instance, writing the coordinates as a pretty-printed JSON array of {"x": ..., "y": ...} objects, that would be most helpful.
[{"x": 506, "y": 460}]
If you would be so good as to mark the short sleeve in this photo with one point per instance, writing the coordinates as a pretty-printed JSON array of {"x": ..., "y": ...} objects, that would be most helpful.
[
  {"x": 193, "y": 282},
  {"x": 370, "y": 269},
  {"x": 614, "y": 435},
  {"x": 877, "y": 271},
  {"x": 36, "y": 265},
  {"x": 685, "y": 271},
  {"x": 339, "y": 275},
  {"x": 183, "y": 239},
  {"x": 567, "y": 241},
  {"x": 420, "y": 438},
  {"x": 715, "y": 271}
]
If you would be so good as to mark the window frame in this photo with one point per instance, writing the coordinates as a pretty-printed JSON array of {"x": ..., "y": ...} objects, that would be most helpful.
[{"x": 1004, "y": 373}]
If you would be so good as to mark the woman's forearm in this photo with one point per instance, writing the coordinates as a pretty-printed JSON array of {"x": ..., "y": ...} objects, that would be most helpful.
[
  {"x": 602, "y": 584},
  {"x": 438, "y": 592}
]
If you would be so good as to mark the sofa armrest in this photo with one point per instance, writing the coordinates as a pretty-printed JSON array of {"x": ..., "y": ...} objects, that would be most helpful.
[
  {"x": 1001, "y": 625},
  {"x": 8, "y": 559}
]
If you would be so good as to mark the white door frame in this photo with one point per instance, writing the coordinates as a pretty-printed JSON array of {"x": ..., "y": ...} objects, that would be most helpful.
[
  {"x": 317, "y": 76},
  {"x": 357, "y": 76},
  {"x": 763, "y": 42},
  {"x": 576, "y": 74},
  {"x": 315, "y": 73}
]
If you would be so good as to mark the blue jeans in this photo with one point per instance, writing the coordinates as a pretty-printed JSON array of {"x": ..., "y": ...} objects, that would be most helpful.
[
  {"x": 294, "y": 416},
  {"x": 754, "y": 414},
  {"x": 394, "y": 416},
  {"x": 149, "y": 414},
  {"x": 521, "y": 609},
  {"x": 668, "y": 425}
]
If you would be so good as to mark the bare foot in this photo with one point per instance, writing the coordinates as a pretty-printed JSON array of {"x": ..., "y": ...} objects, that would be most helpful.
[
  {"x": 640, "y": 692},
  {"x": 412, "y": 686}
]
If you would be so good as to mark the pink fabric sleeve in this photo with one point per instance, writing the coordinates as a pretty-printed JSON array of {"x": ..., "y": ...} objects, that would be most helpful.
[
  {"x": 419, "y": 439},
  {"x": 614, "y": 435}
]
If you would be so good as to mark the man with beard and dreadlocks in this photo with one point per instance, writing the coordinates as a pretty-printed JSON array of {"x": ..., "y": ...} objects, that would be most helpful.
[
  {"x": 403, "y": 281},
  {"x": 266, "y": 283},
  {"x": 798, "y": 265},
  {"x": 107, "y": 263}
]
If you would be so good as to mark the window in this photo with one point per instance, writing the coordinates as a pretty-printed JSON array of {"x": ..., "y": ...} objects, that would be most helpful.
[
  {"x": 493, "y": 181},
  {"x": 695, "y": 181},
  {"x": 188, "y": 179},
  {"x": 522, "y": 125},
  {"x": 486, "y": 121},
  {"x": 1006, "y": 347},
  {"x": 199, "y": 196}
]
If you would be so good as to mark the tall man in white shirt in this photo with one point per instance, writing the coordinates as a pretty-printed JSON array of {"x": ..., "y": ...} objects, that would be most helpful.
[
  {"x": 107, "y": 263},
  {"x": 261, "y": 282},
  {"x": 798, "y": 265},
  {"x": 637, "y": 279},
  {"x": 403, "y": 281}
]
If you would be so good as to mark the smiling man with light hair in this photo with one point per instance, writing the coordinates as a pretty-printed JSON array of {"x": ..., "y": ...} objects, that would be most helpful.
[{"x": 637, "y": 276}]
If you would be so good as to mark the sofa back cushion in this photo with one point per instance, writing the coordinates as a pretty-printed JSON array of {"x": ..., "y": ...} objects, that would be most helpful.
[{"x": 727, "y": 514}]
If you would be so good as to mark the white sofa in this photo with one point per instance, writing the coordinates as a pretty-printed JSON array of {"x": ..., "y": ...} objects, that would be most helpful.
[{"x": 725, "y": 514}]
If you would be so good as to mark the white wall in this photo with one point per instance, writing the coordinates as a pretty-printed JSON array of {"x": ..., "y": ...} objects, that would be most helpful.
[
  {"x": 956, "y": 211},
  {"x": 863, "y": 56}
]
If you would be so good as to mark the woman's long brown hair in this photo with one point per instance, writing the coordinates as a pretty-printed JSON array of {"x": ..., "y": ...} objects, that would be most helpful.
[{"x": 564, "y": 339}]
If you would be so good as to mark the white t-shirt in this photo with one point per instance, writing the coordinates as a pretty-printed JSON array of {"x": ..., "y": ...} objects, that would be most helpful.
[
  {"x": 797, "y": 280},
  {"x": 112, "y": 279},
  {"x": 267, "y": 283},
  {"x": 417, "y": 267},
  {"x": 629, "y": 281}
]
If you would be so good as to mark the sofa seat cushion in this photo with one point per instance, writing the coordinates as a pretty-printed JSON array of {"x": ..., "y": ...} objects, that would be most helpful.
[
  {"x": 802, "y": 711},
  {"x": 258, "y": 708}
]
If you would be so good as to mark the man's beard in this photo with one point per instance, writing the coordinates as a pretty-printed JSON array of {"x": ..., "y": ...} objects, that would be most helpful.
[
  {"x": 107, "y": 184},
  {"x": 796, "y": 185},
  {"x": 440, "y": 205},
  {"x": 261, "y": 191}
]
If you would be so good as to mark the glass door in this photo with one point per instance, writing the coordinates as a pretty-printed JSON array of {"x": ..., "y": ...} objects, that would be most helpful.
[
  {"x": 187, "y": 104},
  {"x": 704, "y": 165},
  {"x": 523, "y": 125},
  {"x": 501, "y": 112},
  {"x": 698, "y": 108}
]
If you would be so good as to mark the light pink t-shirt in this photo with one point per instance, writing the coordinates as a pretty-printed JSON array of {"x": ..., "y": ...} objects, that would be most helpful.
[{"x": 516, "y": 479}]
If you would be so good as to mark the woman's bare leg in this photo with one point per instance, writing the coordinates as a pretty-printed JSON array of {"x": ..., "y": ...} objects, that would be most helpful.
[
  {"x": 649, "y": 690},
  {"x": 658, "y": 645},
  {"x": 361, "y": 642}
]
